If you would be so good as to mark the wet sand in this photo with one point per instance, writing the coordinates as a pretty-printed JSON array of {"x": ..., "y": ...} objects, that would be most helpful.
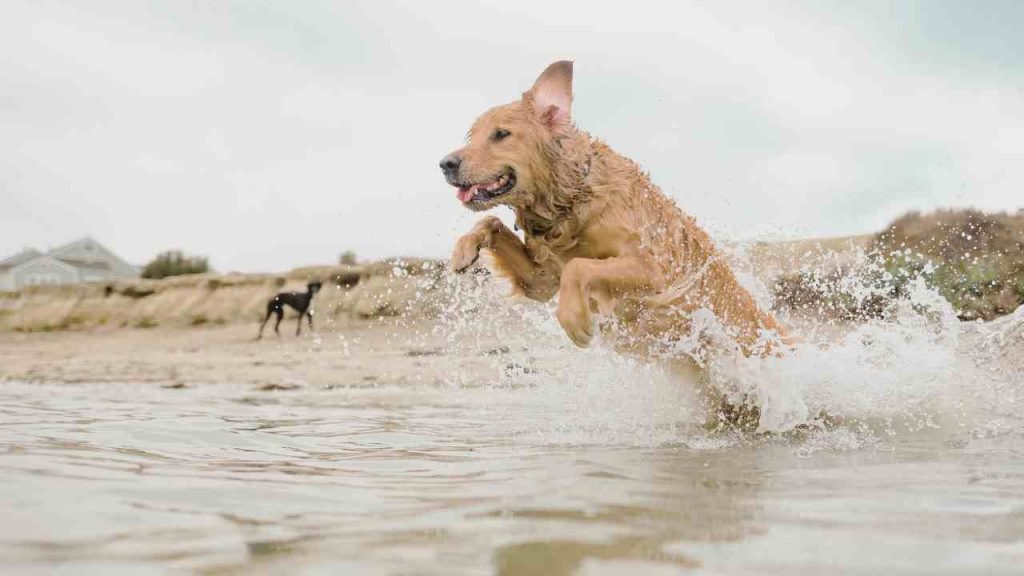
[
  {"x": 376, "y": 449},
  {"x": 356, "y": 353}
]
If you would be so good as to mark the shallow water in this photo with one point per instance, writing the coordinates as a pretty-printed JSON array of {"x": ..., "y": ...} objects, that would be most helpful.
[
  {"x": 223, "y": 479},
  {"x": 530, "y": 457}
]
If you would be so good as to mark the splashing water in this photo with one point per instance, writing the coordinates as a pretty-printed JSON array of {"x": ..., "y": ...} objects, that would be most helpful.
[{"x": 917, "y": 368}]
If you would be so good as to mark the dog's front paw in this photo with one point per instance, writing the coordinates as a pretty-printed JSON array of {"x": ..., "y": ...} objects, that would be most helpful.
[
  {"x": 466, "y": 253},
  {"x": 574, "y": 315},
  {"x": 467, "y": 248}
]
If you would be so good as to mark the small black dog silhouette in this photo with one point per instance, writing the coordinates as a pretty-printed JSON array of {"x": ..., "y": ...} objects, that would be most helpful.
[{"x": 300, "y": 301}]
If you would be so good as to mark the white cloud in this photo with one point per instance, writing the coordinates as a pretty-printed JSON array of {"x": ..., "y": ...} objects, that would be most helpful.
[{"x": 269, "y": 137}]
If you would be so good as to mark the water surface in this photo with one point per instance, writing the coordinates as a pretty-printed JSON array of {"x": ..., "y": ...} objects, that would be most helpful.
[{"x": 139, "y": 479}]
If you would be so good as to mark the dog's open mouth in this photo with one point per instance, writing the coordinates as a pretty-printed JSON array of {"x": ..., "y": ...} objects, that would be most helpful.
[{"x": 486, "y": 190}]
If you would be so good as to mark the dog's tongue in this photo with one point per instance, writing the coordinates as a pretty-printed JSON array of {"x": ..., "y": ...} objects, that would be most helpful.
[{"x": 466, "y": 193}]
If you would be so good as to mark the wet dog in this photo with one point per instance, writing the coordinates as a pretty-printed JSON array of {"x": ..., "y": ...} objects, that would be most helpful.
[
  {"x": 298, "y": 301},
  {"x": 596, "y": 232}
]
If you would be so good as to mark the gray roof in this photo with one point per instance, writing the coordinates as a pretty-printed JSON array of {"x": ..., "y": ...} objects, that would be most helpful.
[
  {"x": 82, "y": 265},
  {"x": 19, "y": 258},
  {"x": 108, "y": 262}
]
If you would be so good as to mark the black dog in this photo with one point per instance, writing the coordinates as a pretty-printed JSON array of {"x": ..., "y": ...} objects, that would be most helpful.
[{"x": 300, "y": 301}]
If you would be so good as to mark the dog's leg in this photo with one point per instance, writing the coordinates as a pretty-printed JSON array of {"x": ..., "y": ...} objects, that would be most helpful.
[
  {"x": 280, "y": 316},
  {"x": 510, "y": 257},
  {"x": 482, "y": 235},
  {"x": 298, "y": 327},
  {"x": 269, "y": 312},
  {"x": 584, "y": 279},
  {"x": 309, "y": 316}
]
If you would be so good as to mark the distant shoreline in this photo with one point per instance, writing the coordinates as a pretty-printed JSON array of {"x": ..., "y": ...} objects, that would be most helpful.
[
  {"x": 384, "y": 288},
  {"x": 980, "y": 259},
  {"x": 387, "y": 287}
]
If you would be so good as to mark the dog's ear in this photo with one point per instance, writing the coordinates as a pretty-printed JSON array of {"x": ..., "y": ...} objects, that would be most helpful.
[{"x": 551, "y": 95}]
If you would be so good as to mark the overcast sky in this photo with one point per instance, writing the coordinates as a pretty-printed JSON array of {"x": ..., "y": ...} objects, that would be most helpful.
[{"x": 270, "y": 134}]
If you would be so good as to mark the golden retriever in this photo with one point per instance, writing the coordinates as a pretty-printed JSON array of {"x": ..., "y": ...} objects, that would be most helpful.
[{"x": 596, "y": 230}]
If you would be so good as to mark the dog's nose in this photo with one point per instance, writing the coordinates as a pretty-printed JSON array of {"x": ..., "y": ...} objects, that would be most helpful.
[{"x": 450, "y": 165}]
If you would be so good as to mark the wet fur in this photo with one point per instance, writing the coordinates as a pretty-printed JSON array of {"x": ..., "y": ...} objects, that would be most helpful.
[{"x": 598, "y": 232}]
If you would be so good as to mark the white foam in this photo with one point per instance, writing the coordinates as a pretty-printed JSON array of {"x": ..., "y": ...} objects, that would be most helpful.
[{"x": 919, "y": 369}]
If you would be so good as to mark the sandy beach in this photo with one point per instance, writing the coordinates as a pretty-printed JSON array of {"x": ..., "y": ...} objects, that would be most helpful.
[{"x": 360, "y": 353}]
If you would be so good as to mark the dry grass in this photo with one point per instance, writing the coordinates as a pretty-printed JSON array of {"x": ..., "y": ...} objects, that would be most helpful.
[
  {"x": 973, "y": 259},
  {"x": 392, "y": 287}
]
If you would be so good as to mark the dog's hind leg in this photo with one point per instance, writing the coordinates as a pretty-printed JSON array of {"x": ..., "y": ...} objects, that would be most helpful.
[
  {"x": 270, "y": 311},
  {"x": 584, "y": 279},
  {"x": 280, "y": 316}
]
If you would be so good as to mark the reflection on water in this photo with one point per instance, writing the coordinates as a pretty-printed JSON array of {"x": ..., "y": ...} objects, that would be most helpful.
[{"x": 232, "y": 480}]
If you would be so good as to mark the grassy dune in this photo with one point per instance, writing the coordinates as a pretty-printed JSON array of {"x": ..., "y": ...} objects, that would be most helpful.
[
  {"x": 974, "y": 260},
  {"x": 384, "y": 288},
  {"x": 771, "y": 260}
]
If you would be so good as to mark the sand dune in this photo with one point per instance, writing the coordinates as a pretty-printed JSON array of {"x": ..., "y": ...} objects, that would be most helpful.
[
  {"x": 399, "y": 286},
  {"x": 387, "y": 288}
]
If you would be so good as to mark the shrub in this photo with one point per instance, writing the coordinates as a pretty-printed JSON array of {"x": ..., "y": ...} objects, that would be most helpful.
[
  {"x": 348, "y": 258},
  {"x": 136, "y": 292},
  {"x": 174, "y": 263},
  {"x": 146, "y": 323},
  {"x": 844, "y": 293},
  {"x": 973, "y": 259}
]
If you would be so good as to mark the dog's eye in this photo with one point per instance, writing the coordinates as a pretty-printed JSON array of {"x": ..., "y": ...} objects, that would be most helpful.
[{"x": 500, "y": 134}]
